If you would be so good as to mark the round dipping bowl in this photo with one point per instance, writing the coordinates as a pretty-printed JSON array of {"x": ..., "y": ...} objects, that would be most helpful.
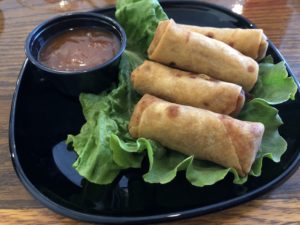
[{"x": 72, "y": 82}]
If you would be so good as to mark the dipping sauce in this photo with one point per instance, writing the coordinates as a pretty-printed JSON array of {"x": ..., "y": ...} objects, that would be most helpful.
[{"x": 79, "y": 49}]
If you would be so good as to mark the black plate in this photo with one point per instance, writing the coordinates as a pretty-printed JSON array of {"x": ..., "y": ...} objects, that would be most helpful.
[{"x": 41, "y": 118}]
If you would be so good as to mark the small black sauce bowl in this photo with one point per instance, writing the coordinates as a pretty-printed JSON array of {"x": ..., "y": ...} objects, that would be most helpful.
[{"x": 72, "y": 83}]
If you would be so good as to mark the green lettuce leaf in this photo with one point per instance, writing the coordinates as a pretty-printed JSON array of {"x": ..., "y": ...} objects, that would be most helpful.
[
  {"x": 273, "y": 145},
  {"x": 104, "y": 146},
  {"x": 92, "y": 143},
  {"x": 267, "y": 59},
  {"x": 139, "y": 18},
  {"x": 105, "y": 114},
  {"x": 164, "y": 163},
  {"x": 273, "y": 84}
]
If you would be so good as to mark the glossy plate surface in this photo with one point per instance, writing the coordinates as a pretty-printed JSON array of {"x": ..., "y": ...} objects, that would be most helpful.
[{"x": 41, "y": 118}]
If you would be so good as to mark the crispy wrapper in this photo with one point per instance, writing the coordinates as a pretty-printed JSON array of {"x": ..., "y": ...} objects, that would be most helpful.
[
  {"x": 188, "y": 88},
  {"x": 250, "y": 42},
  {"x": 192, "y": 131},
  {"x": 175, "y": 46}
]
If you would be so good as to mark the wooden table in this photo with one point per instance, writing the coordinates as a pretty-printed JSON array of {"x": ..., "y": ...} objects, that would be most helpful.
[{"x": 280, "y": 20}]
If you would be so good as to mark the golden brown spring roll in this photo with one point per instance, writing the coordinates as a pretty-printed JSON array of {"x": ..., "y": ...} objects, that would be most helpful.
[
  {"x": 187, "y": 88},
  {"x": 192, "y": 131},
  {"x": 191, "y": 51},
  {"x": 250, "y": 42}
]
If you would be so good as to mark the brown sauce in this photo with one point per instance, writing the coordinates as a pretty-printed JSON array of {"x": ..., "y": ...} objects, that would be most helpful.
[{"x": 79, "y": 49}]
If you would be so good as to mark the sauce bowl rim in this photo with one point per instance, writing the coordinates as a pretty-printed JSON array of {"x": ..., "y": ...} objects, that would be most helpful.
[{"x": 39, "y": 29}]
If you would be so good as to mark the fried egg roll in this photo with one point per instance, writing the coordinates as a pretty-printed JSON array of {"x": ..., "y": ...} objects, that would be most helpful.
[
  {"x": 175, "y": 46},
  {"x": 188, "y": 88},
  {"x": 250, "y": 42},
  {"x": 192, "y": 131}
]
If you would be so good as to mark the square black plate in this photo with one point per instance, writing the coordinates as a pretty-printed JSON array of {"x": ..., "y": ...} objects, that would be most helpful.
[{"x": 41, "y": 117}]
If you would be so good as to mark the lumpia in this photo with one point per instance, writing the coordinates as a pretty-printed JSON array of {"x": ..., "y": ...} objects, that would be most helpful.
[
  {"x": 187, "y": 88},
  {"x": 175, "y": 46},
  {"x": 250, "y": 42},
  {"x": 202, "y": 133}
]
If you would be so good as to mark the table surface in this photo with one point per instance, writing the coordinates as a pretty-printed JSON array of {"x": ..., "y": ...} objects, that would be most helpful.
[{"x": 280, "y": 20}]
